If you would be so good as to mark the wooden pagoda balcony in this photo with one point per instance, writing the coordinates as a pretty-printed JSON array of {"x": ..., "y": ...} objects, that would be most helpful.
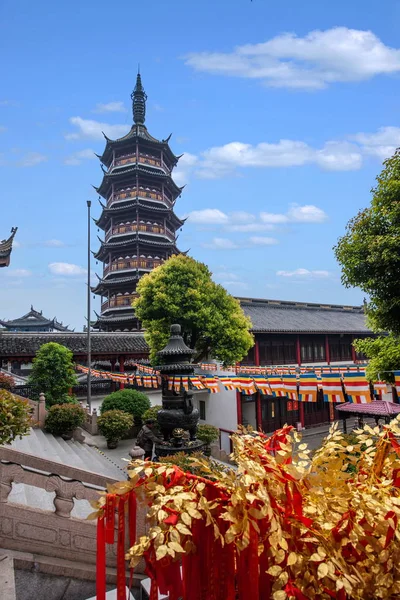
[
  {"x": 142, "y": 159},
  {"x": 152, "y": 228},
  {"x": 143, "y": 264},
  {"x": 123, "y": 301},
  {"x": 139, "y": 193}
]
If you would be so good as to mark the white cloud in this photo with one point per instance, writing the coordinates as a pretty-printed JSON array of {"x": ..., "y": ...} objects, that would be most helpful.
[
  {"x": 3, "y": 128},
  {"x": 236, "y": 285},
  {"x": 208, "y": 216},
  {"x": 184, "y": 168},
  {"x": 78, "y": 157},
  {"x": 53, "y": 243},
  {"x": 117, "y": 106},
  {"x": 262, "y": 241},
  {"x": 306, "y": 214},
  {"x": 250, "y": 227},
  {"x": 88, "y": 128},
  {"x": 221, "y": 244},
  {"x": 158, "y": 107},
  {"x": 68, "y": 269},
  {"x": 303, "y": 273},
  {"x": 312, "y": 62},
  {"x": 18, "y": 273},
  {"x": 381, "y": 144},
  {"x": 31, "y": 159}
]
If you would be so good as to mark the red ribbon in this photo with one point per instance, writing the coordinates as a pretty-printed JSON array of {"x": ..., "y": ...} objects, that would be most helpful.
[
  {"x": 132, "y": 505},
  {"x": 110, "y": 518},
  {"x": 101, "y": 561},
  {"x": 121, "y": 579},
  {"x": 247, "y": 569}
]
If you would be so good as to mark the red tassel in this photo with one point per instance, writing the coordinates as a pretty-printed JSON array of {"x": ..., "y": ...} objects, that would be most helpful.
[
  {"x": 121, "y": 580},
  {"x": 110, "y": 518},
  {"x": 247, "y": 569},
  {"x": 132, "y": 505},
  {"x": 101, "y": 561}
]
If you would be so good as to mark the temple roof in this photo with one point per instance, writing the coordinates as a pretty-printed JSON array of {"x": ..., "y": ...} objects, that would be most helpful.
[
  {"x": 138, "y": 129},
  {"x": 34, "y": 320},
  {"x": 127, "y": 207},
  {"x": 6, "y": 248},
  {"x": 112, "y": 281},
  {"x": 27, "y": 344},
  {"x": 124, "y": 318},
  {"x": 123, "y": 244},
  {"x": 301, "y": 317},
  {"x": 133, "y": 169},
  {"x": 375, "y": 408}
]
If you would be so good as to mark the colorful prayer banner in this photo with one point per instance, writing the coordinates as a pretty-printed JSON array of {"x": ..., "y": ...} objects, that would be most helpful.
[
  {"x": 276, "y": 385},
  {"x": 397, "y": 381},
  {"x": 380, "y": 387},
  {"x": 332, "y": 387},
  {"x": 246, "y": 385},
  {"x": 196, "y": 383},
  {"x": 308, "y": 389},
  {"x": 357, "y": 388},
  {"x": 290, "y": 386},
  {"x": 227, "y": 383},
  {"x": 211, "y": 383},
  {"x": 262, "y": 384}
]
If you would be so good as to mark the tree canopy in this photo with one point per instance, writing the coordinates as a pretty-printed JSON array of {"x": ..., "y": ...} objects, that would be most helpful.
[
  {"x": 53, "y": 372},
  {"x": 182, "y": 291},
  {"x": 369, "y": 252},
  {"x": 384, "y": 356}
]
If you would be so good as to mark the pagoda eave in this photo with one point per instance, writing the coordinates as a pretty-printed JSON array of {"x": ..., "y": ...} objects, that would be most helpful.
[
  {"x": 120, "y": 209},
  {"x": 135, "y": 168}
]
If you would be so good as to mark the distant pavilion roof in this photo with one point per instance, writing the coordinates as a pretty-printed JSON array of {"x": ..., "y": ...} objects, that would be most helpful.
[
  {"x": 381, "y": 408},
  {"x": 27, "y": 344},
  {"x": 280, "y": 316},
  {"x": 6, "y": 248},
  {"x": 34, "y": 320}
]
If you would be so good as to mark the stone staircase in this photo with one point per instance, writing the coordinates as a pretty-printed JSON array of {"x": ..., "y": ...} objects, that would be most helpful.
[{"x": 69, "y": 453}]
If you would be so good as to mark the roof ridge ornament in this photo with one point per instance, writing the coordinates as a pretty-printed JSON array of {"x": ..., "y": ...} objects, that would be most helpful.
[{"x": 139, "y": 98}]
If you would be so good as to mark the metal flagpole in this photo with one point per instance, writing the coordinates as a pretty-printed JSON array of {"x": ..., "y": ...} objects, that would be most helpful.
[{"x": 89, "y": 345}]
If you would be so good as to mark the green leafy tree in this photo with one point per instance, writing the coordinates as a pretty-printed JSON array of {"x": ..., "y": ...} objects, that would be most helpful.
[
  {"x": 182, "y": 291},
  {"x": 369, "y": 252},
  {"x": 15, "y": 417},
  {"x": 384, "y": 356},
  {"x": 53, "y": 372},
  {"x": 129, "y": 401}
]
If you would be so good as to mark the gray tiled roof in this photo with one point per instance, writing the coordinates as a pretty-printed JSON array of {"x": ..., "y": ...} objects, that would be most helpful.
[
  {"x": 300, "y": 317},
  {"x": 19, "y": 344}
]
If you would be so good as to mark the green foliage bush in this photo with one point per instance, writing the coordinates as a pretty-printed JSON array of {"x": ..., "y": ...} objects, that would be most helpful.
[
  {"x": 6, "y": 382},
  {"x": 15, "y": 417},
  {"x": 130, "y": 401},
  {"x": 63, "y": 418},
  {"x": 114, "y": 424},
  {"x": 53, "y": 372},
  {"x": 207, "y": 433},
  {"x": 151, "y": 413}
]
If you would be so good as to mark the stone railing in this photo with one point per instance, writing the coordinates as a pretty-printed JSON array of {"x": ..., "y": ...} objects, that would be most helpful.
[
  {"x": 53, "y": 539},
  {"x": 90, "y": 423}
]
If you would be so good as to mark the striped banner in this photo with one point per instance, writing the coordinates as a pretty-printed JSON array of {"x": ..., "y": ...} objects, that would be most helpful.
[
  {"x": 185, "y": 382},
  {"x": 276, "y": 385},
  {"x": 332, "y": 387},
  {"x": 308, "y": 389},
  {"x": 211, "y": 383},
  {"x": 380, "y": 388},
  {"x": 357, "y": 388},
  {"x": 196, "y": 383},
  {"x": 397, "y": 382},
  {"x": 227, "y": 383},
  {"x": 262, "y": 384},
  {"x": 290, "y": 386},
  {"x": 246, "y": 385}
]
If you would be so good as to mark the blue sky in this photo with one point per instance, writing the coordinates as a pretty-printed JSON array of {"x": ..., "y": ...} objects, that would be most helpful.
[{"x": 284, "y": 111}]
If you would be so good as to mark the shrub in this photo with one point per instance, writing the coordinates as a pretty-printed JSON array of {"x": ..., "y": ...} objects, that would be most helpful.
[
  {"x": 15, "y": 417},
  {"x": 6, "y": 382},
  {"x": 151, "y": 413},
  {"x": 53, "y": 372},
  {"x": 63, "y": 418},
  {"x": 114, "y": 424},
  {"x": 130, "y": 401},
  {"x": 207, "y": 433}
]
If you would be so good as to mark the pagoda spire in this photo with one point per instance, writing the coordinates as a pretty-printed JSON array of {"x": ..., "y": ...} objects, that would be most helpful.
[{"x": 139, "y": 98}]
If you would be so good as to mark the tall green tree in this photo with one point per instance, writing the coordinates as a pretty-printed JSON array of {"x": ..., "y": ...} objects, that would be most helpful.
[
  {"x": 369, "y": 252},
  {"x": 53, "y": 372},
  {"x": 384, "y": 356},
  {"x": 182, "y": 291}
]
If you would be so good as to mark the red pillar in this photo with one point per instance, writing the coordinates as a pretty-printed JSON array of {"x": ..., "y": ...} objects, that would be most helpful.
[
  {"x": 258, "y": 412},
  {"x": 239, "y": 407},
  {"x": 327, "y": 353},
  {"x": 298, "y": 350},
  {"x": 121, "y": 361},
  {"x": 257, "y": 354}
]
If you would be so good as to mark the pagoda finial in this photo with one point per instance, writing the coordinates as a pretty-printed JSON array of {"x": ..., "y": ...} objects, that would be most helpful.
[{"x": 139, "y": 98}]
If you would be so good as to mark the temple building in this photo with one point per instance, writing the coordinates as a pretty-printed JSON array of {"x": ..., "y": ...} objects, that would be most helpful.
[
  {"x": 138, "y": 216},
  {"x": 34, "y": 321},
  {"x": 6, "y": 248}
]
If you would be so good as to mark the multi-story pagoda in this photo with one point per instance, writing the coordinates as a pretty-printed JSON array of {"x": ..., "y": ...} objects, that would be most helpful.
[
  {"x": 138, "y": 218},
  {"x": 6, "y": 248}
]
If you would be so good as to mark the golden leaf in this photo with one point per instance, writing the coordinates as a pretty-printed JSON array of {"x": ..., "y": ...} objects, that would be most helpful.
[
  {"x": 175, "y": 546},
  {"x": 183, "y": 529},
  {"x": 186, "y": 519},
  {"x": 161, "y": 552},
  {"x": 322, "y": 570},
  {"x": 279, "y": 595},
  {"x": 283, "y": 543},
  {"x": 174, "y": 536},
  {"x": 292, "y": 559},
  {"x": 275, "y": 570}
]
